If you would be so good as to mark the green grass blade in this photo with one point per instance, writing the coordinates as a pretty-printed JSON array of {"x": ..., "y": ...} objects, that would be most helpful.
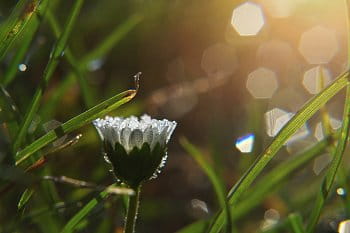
[
  {"x": 84, "y": 86},
  {"x": 75, "y": 123},
  {"x": 50, "y": 68},
  {"x": 12, "y": 69},
  {"x": 196, "y": 227},
  {"x": 17, "y": 21},
  {"x": 112, "y": 39},
  {"x": 295, "y": 123},
  {"x": 266, "y": 185},
  {"x": 25, "y": 197},
  {"x": 296, "y": 223},
  {"x": 100, "y": 51},
  {"x": 332, "y": 171},
  {"x": 73, "y": 222},
  {"x": 214, "y": 179},
  {"x": 30, "y": 31},
  {"x": 78, "y": 217},
  {"x": 276, "y": 176}
]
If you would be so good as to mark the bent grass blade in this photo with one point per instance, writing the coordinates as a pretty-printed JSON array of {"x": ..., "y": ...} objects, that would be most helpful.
[
  {"x": 75, "y": 123},
  {"x": 295, "y": 123}
]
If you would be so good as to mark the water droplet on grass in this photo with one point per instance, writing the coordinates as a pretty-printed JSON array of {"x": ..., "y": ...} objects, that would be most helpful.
[{"x": 22, "y": 67}]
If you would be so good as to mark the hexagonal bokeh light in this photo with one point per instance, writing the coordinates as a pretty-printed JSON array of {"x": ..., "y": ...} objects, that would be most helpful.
[
  {"x": 279, "y": 8},
  {"x": 262, "y": 83},
  {"x": 219, "y": 60},
  {"x": 344, "y": 226},
  {"x": 245, "y": 143},
  {"x": 321, "y": 162},
  {"x": 318, "y": 45},
  {"x": 313, "y": 77},
  {"x": 335, "y": 124},
  {"x": 277, "y": 55},
  {"x": 248, "y": 19},
  {"x": 275, "y": 120}
]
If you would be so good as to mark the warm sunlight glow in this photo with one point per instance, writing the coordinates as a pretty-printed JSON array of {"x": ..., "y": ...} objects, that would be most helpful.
[
  {"x": 262, "y": 83},
  {"x": 219, "y": 60},
  {"x": 318, "y": 45},
  {"x": 316, "y": 79},
  {"x": 248, "y": 19}
]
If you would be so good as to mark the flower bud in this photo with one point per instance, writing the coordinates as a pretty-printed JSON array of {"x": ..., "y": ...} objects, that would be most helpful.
[{"x": 136, "y": 148}]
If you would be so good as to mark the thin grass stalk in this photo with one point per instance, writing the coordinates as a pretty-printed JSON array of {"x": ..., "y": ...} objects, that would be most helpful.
[
  {"x": 84, "y": 86},
  {"x": 339, "y": 151},
  {"x": 296, "y": 223},
  {"x": 100, "y": 51},
  {"x": 214, "y": 179},
  {"x": 332, "y": 171},
  {"x": 74, "y": 123},
  {"x": 48, "y": 72},
  {"x": 17, "y": 21},
  {"x": 295, "y": 123}
]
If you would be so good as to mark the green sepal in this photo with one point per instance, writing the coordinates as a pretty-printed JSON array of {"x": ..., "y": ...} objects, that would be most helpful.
[{"x": 136, "y": 166}]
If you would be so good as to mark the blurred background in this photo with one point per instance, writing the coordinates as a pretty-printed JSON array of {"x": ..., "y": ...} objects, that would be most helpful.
[{"x": 231, "y": 73}]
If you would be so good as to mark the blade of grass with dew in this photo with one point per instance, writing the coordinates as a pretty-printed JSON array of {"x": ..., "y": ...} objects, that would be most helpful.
[
  {"x": 29, "y": 32},
  {"x": 214, "y": 179},
  {"x": 307, "y": 111},
  {"x": 276, "y": 176},
  {"x": 17, "y": 21},
  {"x": 75, "y": 123},
  {"x": 266, "y": 185},
  {"x": 49, "y": 70},
  {"x": 296, "y": 223},
  {"x": 84, "y": 86},
  {"x": 332, "y": 171},
  {"x": 100, "y": 51}
]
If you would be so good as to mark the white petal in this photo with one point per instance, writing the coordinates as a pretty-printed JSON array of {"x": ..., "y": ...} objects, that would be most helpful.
[
  {"x": 124, "y": 138},
  {"x": 170, "y": 130},
  {"x": 163, "y": 135},
  {"x": 148, "y": 135},
  {"x": 136, "y": 139},
  {"x": 156, "y": 138}
]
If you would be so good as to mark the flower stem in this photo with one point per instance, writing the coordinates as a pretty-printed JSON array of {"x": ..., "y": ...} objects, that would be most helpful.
[{"x": 132, "y": 211}]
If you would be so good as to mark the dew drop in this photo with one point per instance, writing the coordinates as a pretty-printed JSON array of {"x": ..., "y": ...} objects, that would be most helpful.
[
  {"x": 22, "y": 67},
  {"x": 341, "y": 191}
]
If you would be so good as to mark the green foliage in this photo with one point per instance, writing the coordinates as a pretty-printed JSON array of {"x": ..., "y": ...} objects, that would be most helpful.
[{"x": 24, "y": 146}]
